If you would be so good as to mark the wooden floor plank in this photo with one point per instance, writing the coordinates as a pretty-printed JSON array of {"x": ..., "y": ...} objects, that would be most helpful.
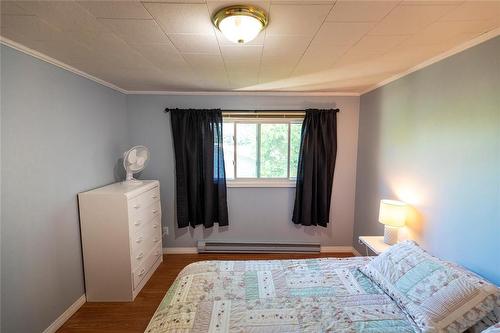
[{"x": 134, "y": 316}]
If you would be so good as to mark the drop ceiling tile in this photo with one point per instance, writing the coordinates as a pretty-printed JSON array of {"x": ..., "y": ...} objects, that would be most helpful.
[
  {"x": 342, "y": 33},
  {"x": 296, "y": 19},
  {"x": 215, "y": 5},
  {"x": 65, "y": 15},
  {"x": 29, "y": 27},
  {"x": 195, "y": 43},
  {"x": 136, "y": 31},
  {"x": 446, "y": 32},
  {"x": 181, "y": 18},
  {"x": 285, "y": 45},
  {"x": 175, "y": 1},
  {"x": 409, "y": 19},
  {"x": 379, "y": 43},
  {"x": 317, "y": 59},
  {"x": 360, "y": 11},
  {"x": 164, "y": 56},
  {"x": 241, "y": 54},
  {"x": 205, "y": 63},
  {"x": 12, "y": 8},
  {"x": 303, "y": 2},
  {"x": 475, "y": 10},
  {"x": 116, "y": 9}
]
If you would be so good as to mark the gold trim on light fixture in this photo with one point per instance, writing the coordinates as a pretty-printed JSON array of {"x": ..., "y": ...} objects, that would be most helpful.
[{"x": 240, "y": 10}]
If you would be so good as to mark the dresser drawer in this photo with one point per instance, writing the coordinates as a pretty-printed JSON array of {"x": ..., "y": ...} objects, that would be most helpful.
[
  {"x": 144, "y": 216},
  {"x": 149, "y": 261},
  {"x": 143, "y": 200},
  {"x": 141, "y": 244}
]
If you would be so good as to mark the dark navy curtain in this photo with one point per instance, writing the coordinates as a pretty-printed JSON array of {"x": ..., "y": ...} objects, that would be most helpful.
[
  {"x": 199, "y": 166},
  {"x": 318, "y": 151}
]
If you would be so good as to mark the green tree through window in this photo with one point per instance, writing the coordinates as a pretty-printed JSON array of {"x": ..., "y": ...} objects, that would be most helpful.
[{"x": 261, "y": 149}]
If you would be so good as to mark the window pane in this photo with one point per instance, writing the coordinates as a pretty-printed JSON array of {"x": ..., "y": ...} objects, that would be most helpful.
[
  {"x": 228, "y": 140},
  {"x": 295, "y": 131},
  {"x": 273, "y": 150},
  {"x": 246, "y": 150}
]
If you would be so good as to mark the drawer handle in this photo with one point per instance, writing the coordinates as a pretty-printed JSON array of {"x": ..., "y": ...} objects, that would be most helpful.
[
  {"x": 137, "y": 206},
  {"x": 139, "y": 240},
  {"x": 156, "y": 240},
  {"x": 139, "y": 257},
  {"x": 142, "y": 272},
  {"x": 155, "y": 226},
  {"x": 154, "y": 196},
  {"x": 155, "y": 211},
  {"x": 138, "y": 222}
]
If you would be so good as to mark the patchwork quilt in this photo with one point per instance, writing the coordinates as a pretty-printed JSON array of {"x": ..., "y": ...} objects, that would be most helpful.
[{"x": 311, "y": 295}]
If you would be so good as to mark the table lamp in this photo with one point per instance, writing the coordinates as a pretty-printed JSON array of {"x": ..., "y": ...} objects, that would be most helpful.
[{"x": 392, "y": 215}]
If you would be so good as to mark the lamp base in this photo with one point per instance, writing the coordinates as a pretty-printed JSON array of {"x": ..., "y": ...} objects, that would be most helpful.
[{"x": 390, "y": 235}]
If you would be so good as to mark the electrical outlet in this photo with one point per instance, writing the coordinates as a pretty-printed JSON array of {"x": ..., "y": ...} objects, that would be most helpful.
[{"x": 165, "y": 231}]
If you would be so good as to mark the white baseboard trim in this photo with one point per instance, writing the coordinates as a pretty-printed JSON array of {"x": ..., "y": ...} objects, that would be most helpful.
[
  {"x": 66, "y": 315},
  {"x": 180, "y": 250},
  {"x": 337, "y": 249},
  {"x": 324, "y": 249}
]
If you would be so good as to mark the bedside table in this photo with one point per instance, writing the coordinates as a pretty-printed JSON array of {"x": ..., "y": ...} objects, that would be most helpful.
[{"x": 374, "y": 243}]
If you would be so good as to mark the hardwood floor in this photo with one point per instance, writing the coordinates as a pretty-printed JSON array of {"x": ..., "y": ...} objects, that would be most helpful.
[{"x": 135, "y": 316}]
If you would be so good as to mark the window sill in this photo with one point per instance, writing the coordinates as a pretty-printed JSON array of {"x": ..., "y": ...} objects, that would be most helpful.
[{"x": 239, "y": 183}]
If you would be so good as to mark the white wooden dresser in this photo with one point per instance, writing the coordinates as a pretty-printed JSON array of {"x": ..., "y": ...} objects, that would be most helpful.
[{"x": 121, "y": 239}]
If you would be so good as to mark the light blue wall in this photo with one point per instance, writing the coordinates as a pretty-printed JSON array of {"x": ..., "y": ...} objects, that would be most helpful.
[
  {"x": 254, "y": 213},
  {"x": 432, "y": 139},
  {"x": 60, "y": 134}
]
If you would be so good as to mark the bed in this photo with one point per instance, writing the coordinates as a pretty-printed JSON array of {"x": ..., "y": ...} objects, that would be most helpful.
[
  {"x": 311, "y": 295},
  {"x": 404, "y": 289}
]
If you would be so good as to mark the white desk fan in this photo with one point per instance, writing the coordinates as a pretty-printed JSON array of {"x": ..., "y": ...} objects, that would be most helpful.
[{"x": 135, "y": 160}]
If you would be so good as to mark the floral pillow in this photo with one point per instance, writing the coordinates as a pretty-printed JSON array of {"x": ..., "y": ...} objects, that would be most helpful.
[{"x": 439, "y": 296}]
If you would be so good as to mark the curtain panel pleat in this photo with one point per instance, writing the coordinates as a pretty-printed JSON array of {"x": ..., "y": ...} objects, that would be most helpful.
[
  {"x": 318, "y": 151},
  {"x": 199, "y": 165}
]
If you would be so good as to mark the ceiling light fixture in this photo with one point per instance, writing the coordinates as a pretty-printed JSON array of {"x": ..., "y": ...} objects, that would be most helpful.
[{"x": 240, "y": 23}]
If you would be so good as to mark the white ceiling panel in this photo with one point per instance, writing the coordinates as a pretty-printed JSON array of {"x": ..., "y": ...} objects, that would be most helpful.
[
  {"x": 342, "y": 33},
  {"x": 309, "y": 45},
  {"x": 116, "y": 9},
  {"x": 182, "y": 18},
  {"x": 285, "y": 45},
  {"x": 296, "y": 19},
  {"x": 360, "y": 11},
  {"x": 409, "y": 19},
  {"x": 162, "y": 55},
  {"x": 13, "y": 8},
  {"x": 65, "y": 15},
  {"x": 195, "y": 43},
  {"x": 136, "y": 30},
  {"x": 475, "y": 10}
]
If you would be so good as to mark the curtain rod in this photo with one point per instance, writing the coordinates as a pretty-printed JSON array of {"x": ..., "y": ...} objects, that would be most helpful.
[{"x": 259, "y": 111}]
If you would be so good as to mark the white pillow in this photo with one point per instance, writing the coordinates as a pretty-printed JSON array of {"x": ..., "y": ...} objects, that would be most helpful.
[{"x": 437, "y": 295}]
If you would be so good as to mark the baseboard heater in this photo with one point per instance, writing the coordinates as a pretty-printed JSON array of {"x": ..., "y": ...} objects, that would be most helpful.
[{"x": 256, "y": 247}]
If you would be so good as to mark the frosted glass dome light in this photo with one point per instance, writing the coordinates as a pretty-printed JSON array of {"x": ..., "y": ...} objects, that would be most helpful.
[{"x": 240, "y": 24}]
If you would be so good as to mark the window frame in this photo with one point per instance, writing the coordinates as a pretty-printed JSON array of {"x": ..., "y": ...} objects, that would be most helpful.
[{"x": 261, "y": 182}]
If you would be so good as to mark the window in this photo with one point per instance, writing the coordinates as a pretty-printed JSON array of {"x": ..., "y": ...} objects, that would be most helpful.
[{"x": 261, "y": 151}]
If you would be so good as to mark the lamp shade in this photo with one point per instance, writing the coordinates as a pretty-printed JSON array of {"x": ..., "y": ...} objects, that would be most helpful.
[{"x": 392, "y": 213}]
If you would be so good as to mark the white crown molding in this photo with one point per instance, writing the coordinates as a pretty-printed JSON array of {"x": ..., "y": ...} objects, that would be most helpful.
[
  {"x": 462, "y": 47},
  {"x": 66, "y": 315},
  {"x": 247, "y": 93},
  {"x": 57, "y": 63}
]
